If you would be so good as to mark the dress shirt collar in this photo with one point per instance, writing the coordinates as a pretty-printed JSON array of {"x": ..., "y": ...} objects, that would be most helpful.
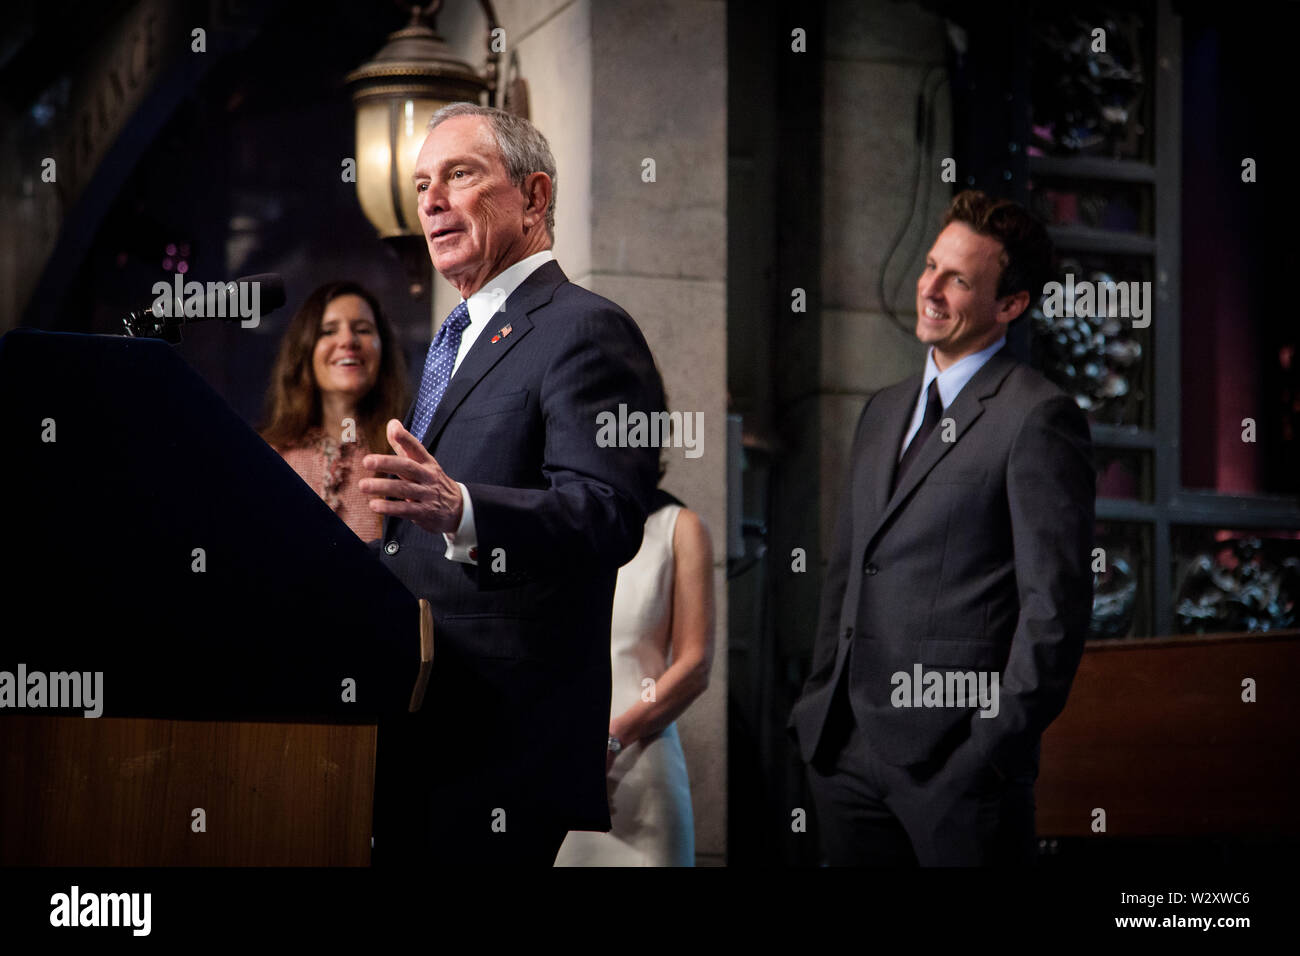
[
  {"x": 954, "y": 378},
  {"x": 484, "y": 303}
]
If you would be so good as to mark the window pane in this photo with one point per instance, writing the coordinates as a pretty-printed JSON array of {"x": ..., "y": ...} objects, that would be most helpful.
[
  {"x": 1119, "y": 207},
  {"x": 1095, "y": 354},
  {"x": 1121, "y": 600},
  {"x": 1090, "y": 103},
  {"x": 1123, "y": 473},
  {"x": 1228, "y": 580}
]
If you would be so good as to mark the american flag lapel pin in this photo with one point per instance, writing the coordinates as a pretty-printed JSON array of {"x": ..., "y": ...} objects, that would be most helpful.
[{"x": 502, "y": 333}]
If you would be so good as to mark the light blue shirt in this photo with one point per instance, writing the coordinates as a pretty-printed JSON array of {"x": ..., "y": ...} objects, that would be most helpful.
[{"x": 951, "y": 381}]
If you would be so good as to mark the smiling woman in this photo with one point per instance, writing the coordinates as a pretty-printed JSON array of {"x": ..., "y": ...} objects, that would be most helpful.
[{"x": 337, "y": 380}]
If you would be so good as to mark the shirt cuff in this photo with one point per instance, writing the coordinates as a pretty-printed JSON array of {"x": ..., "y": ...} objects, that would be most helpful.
[{"x": 463, "y": 545}]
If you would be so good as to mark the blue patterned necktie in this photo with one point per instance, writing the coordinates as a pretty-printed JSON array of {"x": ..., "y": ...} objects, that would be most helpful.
[{"x": 438, "y": 365}]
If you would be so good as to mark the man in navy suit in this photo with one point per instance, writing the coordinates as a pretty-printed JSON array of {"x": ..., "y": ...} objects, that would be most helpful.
[
  {"x": 961, "y": 550},
  {"x": 505, "y": 512}
]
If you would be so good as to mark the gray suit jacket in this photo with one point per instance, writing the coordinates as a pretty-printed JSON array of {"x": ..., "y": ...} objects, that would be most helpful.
[{"x": 979, "y": 560}]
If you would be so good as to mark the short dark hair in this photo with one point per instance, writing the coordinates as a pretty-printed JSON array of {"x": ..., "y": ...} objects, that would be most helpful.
[{"x": 1026, "y": 248}]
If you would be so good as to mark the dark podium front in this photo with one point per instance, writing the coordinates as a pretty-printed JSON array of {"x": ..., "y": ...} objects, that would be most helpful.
[{"x": 165, "y": 568}]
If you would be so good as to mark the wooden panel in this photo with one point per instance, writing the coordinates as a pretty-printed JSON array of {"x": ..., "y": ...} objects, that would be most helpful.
[
  {"x": 119, "y": 792},
  {"x": 1156, "y": 733}
]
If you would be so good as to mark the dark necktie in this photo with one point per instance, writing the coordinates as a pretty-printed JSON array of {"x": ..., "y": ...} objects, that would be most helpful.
[
  {"x": 438, "y": 366},
  {"x": 933, "y": 412}
]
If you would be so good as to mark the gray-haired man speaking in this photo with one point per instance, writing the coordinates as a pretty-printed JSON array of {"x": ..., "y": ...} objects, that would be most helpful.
[{"x": 508, "y": 517}]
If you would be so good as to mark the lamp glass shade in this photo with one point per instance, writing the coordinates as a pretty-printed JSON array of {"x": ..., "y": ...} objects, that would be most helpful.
[{"x": 390, "y": 132}]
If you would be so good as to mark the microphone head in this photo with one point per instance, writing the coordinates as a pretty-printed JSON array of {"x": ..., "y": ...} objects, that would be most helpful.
[{"x": 270, "y": 291}]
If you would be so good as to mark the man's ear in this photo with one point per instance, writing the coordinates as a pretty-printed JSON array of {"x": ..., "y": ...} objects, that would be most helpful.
[
  {"x": 537, "y": 190},
  {"x": 1010, "y": 307}
]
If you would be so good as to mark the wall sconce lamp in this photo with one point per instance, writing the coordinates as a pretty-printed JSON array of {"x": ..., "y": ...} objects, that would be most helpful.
[{"x": 394, "y": 94}]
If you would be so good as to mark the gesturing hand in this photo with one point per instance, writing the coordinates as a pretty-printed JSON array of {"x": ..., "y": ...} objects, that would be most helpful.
[{"x": 429, "y": 497}]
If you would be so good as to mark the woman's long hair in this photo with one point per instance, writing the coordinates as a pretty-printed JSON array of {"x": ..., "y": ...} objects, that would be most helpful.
[{"x": 293, "y": 405}]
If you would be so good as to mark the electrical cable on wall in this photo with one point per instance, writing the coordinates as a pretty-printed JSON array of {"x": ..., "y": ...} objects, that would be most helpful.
[{"x": 924, "y": 141}]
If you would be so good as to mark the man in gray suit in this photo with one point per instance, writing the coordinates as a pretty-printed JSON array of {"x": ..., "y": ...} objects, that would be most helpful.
[{"x": 959, "y": 588}]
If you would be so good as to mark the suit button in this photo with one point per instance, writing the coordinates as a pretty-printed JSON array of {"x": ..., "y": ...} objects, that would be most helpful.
[
  {"x": 391, "y": 548},
  {"x": 869, "y": 568}
]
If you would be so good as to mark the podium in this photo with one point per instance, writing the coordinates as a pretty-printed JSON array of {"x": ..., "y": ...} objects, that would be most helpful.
[
  {"x": 166, "y": 568},
  {"x": 1156, "y": 733}
]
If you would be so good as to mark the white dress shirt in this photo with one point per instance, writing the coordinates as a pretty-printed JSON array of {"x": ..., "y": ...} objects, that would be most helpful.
[
  {"x": 951, "y": 381},
  {"x": 482, "y": 305}
]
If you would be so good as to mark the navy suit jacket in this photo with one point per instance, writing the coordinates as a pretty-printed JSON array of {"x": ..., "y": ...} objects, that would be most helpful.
[
  {"x": 979, "y": 560},
  {"x": 517, "y": 712}
]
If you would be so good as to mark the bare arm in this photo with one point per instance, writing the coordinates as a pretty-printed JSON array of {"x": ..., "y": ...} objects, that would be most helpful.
[{"x": 692, "y": 636}]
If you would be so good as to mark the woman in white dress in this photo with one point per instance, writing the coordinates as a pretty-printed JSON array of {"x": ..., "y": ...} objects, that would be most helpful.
[{"x": 661, "y": 649}]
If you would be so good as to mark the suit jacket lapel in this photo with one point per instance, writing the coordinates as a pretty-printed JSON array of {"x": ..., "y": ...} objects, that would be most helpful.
[
  {"x": 482, "y": 356},
  {"x": 965, "y": 409},
  {"x": 533, "y": 293},
  {"x": 895, "y": 408}
]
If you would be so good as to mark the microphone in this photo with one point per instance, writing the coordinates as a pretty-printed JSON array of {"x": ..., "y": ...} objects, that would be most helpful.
[{"x": 244, "y": 300}]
